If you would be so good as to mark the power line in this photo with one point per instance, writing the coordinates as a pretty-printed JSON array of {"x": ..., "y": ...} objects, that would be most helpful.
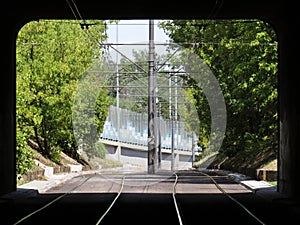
[{"x": 193, "y": 44}]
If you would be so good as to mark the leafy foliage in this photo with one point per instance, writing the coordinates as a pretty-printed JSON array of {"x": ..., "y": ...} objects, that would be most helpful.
[
  {"x": 243, "y": 57},
  {"x": 100, "y": 150},
  {"x": 51, "y": 58},
  {"x": 24, "y": 154},
  {"x": 90, "y": 110}
]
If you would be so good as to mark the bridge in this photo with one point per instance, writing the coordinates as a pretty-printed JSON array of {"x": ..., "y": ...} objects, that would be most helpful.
[
  {"x": 126, "y": 140},
  {"x": 149, "y": 208}
]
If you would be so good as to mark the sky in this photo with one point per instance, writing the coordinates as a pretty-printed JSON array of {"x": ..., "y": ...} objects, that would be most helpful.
[{"x": 133, "y": 31}]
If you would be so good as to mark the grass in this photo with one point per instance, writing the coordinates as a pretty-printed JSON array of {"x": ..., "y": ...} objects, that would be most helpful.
[
  {"x": 272, "y": 165},
  {"x": 265, "y": 159},
  {"x": 205, "y": 159},
  {"x": 273, "y": 182},
  {"x": 21, "y": 182},
  {"x": 106, "y": 163}
]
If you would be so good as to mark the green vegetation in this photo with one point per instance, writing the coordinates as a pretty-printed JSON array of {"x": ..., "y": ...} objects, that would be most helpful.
[
  {"x": 273, "y": 183},
  {"x": 243, "y": 57},
  {"x": 100, "y": 150},
  {"x": 52, "y": 56}
]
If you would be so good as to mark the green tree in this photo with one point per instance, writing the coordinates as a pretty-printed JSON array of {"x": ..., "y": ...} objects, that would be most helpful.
[
  {"x": 51, "y": 57},
  {"x": 90, "y": 108},
  {"x": 243, "y": 57}
]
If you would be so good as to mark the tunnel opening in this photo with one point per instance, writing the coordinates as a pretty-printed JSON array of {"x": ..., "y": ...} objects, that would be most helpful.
[
  {"x": 288, "y": 104},
  {"x": 82, "y": 93}
]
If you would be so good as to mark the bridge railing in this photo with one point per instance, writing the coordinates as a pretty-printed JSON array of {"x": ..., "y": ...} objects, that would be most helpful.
[{"x": 133, "y": 129}]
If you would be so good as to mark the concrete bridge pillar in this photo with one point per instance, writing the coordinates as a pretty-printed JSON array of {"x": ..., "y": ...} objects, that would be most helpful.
[
  {"x": 176, "y": 161},
  {"x": 118, "y": 152}
]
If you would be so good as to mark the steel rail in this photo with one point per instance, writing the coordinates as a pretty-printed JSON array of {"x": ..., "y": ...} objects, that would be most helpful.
[
  {"x": 53, "y": 201},
  {"x": 113, "y": 202},
  {"x": 174, "y": 199},
  {"x": 232, "y": 198}
]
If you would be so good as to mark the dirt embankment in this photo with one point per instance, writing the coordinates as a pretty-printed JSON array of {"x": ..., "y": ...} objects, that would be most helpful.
[{"x": 261, "y": 166}]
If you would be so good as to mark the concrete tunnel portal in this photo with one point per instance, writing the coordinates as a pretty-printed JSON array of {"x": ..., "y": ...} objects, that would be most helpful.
[{"x": 279, "y": 15}]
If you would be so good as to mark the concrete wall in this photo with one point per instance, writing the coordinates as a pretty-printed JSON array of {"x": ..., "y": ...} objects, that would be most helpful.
[
  {"x": 289, "y": 102},
  {"x": 140, "y": 157},
  {"x": 7, "y": 109}
]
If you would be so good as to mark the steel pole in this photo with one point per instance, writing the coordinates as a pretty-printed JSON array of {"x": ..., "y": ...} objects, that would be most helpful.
[
  {"x": 152, "y": 128},
  {"x": 118, "y": 96},
  {"x": 172, "y": 142},
  {"x": 159, "y": 137}
]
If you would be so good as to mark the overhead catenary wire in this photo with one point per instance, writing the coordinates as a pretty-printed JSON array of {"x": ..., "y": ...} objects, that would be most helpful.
[
  {"x": 208, "y": 21},
  {"x": 72, "y": 10},
  {"x": 193, "y": 44},
  {"x": 217, "y": 6},
  {"x": 100, "y": 44}
]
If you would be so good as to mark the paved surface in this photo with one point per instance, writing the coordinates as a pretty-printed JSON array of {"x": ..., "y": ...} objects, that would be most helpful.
[
  {"x": 82, "y": 198},
  {"x": 161, "y": 183},
  {"x": 107, "y": 175},
  {"x": 41, "y": 186}
]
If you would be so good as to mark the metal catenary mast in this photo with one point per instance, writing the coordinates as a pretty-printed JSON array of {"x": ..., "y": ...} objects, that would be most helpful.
[{"x": 152, "y": 125}]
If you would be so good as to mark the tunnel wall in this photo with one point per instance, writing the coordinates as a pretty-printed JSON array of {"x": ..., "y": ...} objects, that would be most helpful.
[{"x": 281, "y": 15}]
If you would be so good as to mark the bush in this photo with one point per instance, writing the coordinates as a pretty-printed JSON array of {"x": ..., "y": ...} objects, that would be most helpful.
[
  {"x": 100, "y": 150},
  {"x": 24, "y": 155}
]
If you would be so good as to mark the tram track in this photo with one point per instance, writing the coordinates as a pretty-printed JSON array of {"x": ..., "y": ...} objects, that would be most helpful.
[
  {"x": 51, "y": 202},
  {"x": 126, "y": 185},
  {"x": 233, "y": 199}
]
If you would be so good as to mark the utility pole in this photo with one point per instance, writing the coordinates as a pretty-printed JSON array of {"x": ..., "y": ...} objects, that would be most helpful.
[
  {"x": 159, "y": 137},
  {"x": 152, "y": 127},
  {"x": 118, "y": 96},
  {"x": 172, "y": 141}
]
